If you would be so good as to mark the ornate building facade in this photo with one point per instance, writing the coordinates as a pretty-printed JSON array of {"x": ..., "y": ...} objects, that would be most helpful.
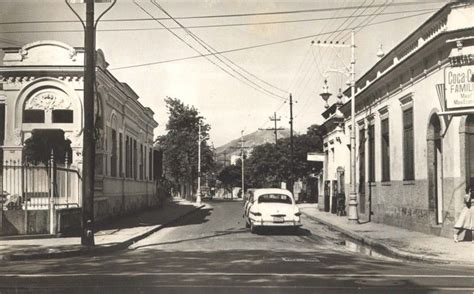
[{"x": 42, "y": 89}]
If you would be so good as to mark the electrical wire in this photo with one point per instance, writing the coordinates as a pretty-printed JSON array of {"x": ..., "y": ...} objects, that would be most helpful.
[
  {"x": 125, "y": 29},
  {"x": 260, "y": 45},
  {"x": 411, "y": 3},
  {"x": 272, "y": 95},
  {"x": 210, "y": 49}
]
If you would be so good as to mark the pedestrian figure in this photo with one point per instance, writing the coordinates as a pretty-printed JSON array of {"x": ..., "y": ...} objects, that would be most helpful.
[{"x": 466, "y": 218}]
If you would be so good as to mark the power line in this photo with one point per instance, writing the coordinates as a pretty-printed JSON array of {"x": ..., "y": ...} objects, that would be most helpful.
[
  {"x": 347, "y": 19},
  {"x": 207, "y": 56},
  {"x": 224, "y": 15},
  {"x": 207, "y": 26},
  {"x": 369, "y": 19},
  {"x": 210, "y": 49},
  {"x": 259, "y": 45}
]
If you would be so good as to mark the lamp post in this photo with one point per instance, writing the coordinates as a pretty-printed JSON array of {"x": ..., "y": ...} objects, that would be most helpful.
[
  {"x": 88, "y": 146},
  {"x": 198, "y": 196},
  {"x": 353, "y": 216}
]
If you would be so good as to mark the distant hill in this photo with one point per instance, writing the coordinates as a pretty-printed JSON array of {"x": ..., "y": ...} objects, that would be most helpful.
[{"x": 251, "y": 140}]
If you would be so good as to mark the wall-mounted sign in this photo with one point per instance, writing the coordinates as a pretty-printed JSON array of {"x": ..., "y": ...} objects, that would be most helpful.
[
  {"x": 315, "y": 156},
  {"x": 461, "y": 60},
  {"x": 459, "y": 85}
]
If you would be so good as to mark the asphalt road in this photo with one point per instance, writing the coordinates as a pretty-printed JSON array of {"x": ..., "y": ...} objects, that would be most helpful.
[{"x": 211, "y": 251}]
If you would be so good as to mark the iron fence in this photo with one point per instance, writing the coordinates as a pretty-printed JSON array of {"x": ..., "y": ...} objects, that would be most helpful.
[{"x": 25, "y": 186}]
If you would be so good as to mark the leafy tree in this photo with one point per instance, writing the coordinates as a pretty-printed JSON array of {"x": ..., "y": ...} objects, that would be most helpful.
[
  {"x": 180, "y": 147},
  {"x": 38, "y": 147},
  {"x": 230, "y": 176},
  {"x": 270, "y": 164}
]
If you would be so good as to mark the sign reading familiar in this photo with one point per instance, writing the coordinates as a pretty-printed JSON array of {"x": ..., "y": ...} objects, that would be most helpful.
[{"x": 459, "y": 85}]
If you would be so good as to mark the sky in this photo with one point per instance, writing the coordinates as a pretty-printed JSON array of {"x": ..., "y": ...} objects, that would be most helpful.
[{"x": 240, "y": 88}]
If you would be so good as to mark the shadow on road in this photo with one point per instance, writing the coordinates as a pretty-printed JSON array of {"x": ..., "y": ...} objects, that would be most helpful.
[
  {"x": 216, "y": 234},
  {"x": 256, "y": 270},
  {"x": 157, "y": 216}
]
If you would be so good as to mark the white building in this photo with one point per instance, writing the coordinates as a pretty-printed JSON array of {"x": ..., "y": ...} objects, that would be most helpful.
[
  {"x": 414, "y": 126},
  {"x": 42, "y": 89}
]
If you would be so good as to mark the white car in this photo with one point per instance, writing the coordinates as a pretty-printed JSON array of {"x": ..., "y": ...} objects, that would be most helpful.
[{"x": 272, "y": 208}]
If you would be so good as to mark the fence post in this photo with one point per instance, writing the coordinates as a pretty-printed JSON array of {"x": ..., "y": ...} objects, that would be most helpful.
[
  {"x": 51, "y": 194},
  {"x": 66, "y": 183}
]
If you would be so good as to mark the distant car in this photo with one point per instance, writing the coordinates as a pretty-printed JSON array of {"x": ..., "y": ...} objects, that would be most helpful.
[{"x": 271, "y": 208}]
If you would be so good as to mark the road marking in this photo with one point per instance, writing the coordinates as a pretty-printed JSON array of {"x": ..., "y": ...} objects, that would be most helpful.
[{"x": 128, "y": 274}]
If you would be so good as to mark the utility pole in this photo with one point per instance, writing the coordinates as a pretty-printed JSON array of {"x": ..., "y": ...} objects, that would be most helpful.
[
  {"x": 292, "y": 172},
  {"x": 88, "y": 148},
  {"x": 242, "y": 155},
  {"x": 88, "y": 153},
  {"x": 353, "y": 216},
  {"x": 274, "y": 129},
  {"x": 352, "y": 210}
]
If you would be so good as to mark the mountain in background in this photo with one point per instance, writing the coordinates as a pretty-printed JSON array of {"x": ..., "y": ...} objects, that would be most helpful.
[{"x": 251, "y": 140}]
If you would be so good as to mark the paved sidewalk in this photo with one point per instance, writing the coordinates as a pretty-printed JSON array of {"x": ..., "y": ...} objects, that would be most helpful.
[
  {"x": 114, "y": 235},
  {"x": 397, "y": 242}
]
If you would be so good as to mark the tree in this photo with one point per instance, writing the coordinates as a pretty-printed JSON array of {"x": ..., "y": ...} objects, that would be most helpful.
[
  {"x": 269, "y": 164},
  {"x": 180, "y": 144},
  {"x": 230, "y": 176},
  {"x": 38, "y": 147}
]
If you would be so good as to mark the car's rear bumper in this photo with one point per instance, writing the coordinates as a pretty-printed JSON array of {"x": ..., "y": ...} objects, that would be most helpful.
[{"x": 264, "y": 223}]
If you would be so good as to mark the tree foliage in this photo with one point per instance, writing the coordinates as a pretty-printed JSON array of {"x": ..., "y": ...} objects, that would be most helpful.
[
  {"x": 38, "y": 147},
  {"x": 180, "y": 144},
  {"x": 270, "y": 164},
  {"x": 230, "y": 176}
]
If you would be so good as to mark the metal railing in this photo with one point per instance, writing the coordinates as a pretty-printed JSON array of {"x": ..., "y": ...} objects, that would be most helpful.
[{"x": 34, "y": 187}]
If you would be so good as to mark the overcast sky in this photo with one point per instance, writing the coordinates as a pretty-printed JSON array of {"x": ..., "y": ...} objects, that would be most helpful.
[{"x": 240, "y": 89}]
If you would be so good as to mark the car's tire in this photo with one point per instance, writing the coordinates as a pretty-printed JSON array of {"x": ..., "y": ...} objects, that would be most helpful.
[
  {"x": 247, "y": 225},
  {"x": 253, "y": 229}
]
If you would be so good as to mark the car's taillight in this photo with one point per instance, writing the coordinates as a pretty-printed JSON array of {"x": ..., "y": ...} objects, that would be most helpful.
[
  {"x": 298, "y": 213},
  {"x": 256, "y": 213}
]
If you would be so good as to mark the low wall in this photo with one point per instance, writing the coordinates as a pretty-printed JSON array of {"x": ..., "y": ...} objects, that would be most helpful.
[
  {"x": 34, "y": 222},
  {"x": 125, "y": 196}
]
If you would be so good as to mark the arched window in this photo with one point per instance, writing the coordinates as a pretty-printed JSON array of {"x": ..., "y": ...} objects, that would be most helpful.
[{"x": 48, "y": 105}]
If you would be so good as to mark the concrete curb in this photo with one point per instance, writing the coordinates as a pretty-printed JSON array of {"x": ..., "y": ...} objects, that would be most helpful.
[
  {"x": 99, "y": 249},
  {"x": 383, "y": 248}
]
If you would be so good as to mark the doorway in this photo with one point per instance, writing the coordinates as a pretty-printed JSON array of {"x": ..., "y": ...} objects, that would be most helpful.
[{"x": 435, "y": 169}]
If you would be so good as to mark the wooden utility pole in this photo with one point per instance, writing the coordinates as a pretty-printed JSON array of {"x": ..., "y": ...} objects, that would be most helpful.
[
  {"x": 292, "y": 172},
  {"x": 275, "y": 129},
  {"x": 242, "y": 155},
  {"x": 88, "y": 155},
  {"x": 88, "y": 148}
]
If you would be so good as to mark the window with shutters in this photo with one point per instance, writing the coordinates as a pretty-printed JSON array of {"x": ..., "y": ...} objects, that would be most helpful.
[
  {"x": 361, "y": 160},
  {"x": 371, "y": 154},
  {"x": 408, "y": 148},
  {"x": 385, "y": 150},
  {"x": 113, "y": 157},
  {"x": 120, "y": 172}
]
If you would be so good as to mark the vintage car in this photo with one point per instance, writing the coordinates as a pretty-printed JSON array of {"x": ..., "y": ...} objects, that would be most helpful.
[{"x": 271, "y": 208}]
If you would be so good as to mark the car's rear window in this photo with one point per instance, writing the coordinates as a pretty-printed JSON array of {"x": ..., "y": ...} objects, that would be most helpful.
[{"x": 274, "y": 198}]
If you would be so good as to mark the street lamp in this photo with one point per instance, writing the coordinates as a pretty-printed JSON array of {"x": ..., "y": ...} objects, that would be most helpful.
[
  {"x": 88, "y": 146},
  {"x": 200, "y": 140},
  {"x": 353, "y": 216},
  {"x": 325, "y": 94}
]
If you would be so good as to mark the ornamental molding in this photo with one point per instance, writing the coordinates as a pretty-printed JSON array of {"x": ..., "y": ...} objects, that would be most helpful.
[
  {"x": 48, "y": 101},
  {"x": 29, "y": 78}
]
